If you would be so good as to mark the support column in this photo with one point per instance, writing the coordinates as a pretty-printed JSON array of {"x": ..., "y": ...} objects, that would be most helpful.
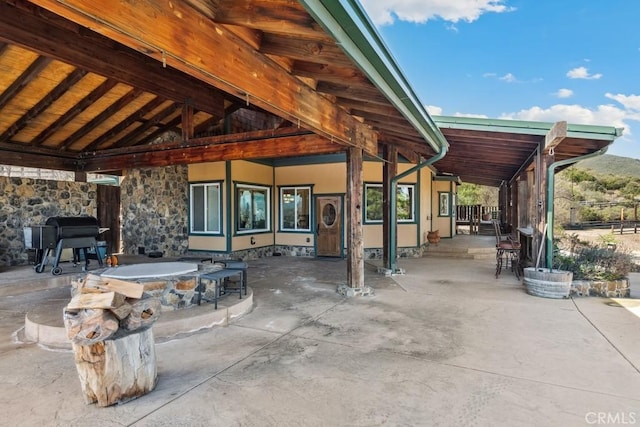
[
  {"x": 355, "y": 243},
  {"x": 187, "y": 122},
  {"x": 389, "y": 171}
]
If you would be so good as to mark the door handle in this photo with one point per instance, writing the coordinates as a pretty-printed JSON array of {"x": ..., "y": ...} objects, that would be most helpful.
[{"x": 318, "y": 229}]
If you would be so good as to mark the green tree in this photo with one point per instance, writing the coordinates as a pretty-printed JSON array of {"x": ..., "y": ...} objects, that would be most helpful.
[
  {"x": 473, "y": 194},
  {"x": 469, "y": 194},
  {"x": 631, "y": 191},
  {"x": 576, "y": 175}
]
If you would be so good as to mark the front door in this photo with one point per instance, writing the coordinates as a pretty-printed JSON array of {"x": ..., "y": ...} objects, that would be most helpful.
[{"x": 329, "y": 226}]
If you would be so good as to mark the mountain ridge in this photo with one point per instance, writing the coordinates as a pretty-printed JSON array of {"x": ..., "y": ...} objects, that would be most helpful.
[{"x": 609, "y": 164}]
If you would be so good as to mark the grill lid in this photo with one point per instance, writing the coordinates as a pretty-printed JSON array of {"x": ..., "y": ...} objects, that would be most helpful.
[
  {"x": 74, "y": 226},
  {"x": 72, "y": 221}
]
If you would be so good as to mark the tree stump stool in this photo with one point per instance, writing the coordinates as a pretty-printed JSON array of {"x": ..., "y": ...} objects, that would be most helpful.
[
  {"x": 117, "y": 369},
  {"x": 109, "y": 324}
]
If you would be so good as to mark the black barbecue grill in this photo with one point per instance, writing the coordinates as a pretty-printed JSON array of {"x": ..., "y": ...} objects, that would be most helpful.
[{"x": 60, "y": 232}]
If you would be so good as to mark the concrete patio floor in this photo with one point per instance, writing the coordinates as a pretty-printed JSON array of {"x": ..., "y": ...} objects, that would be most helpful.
[{"x": 444, "y": 344}]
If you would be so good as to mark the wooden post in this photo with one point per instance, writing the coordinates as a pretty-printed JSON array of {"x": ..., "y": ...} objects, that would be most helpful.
[
  {"x": 355, "y": 244},
  {"x": 389, "y": 171},
  {"x": 187, "y": 122}
]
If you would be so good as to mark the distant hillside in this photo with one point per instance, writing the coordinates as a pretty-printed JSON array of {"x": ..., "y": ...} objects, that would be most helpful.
[{"x": 609, "y": 164}]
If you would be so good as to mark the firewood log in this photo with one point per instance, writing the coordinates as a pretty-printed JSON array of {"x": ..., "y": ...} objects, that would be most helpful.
[
  {"x": 144, "y": 312},
  {"x": 89, "y": 326}
]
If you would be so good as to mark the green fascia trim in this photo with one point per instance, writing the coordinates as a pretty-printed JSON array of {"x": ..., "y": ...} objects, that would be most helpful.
[
  {"x": 352, "y": 29},
  {"x": 604, "y": 133},
  {"x": 452, "y": 178}
]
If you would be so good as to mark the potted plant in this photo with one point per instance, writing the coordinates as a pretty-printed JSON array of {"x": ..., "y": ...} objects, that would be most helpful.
[{"x": 433, "y": 236}]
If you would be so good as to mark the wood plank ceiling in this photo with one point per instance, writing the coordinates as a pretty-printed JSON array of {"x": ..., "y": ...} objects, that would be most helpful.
[
  {"x": 73, "y": 99},
  {"x": 488, "y": 157},
  {"x": 226, "y": 79}
]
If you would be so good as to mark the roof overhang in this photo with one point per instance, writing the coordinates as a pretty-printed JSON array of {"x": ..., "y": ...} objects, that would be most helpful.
[{"x": 490, "y": 151}]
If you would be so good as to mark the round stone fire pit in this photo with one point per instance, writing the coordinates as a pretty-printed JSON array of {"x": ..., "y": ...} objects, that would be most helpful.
[{"x": 174, "y": 283}]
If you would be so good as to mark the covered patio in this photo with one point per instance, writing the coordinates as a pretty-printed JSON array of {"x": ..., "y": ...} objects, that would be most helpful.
[
  {"x": 228, "y": 88},
  {"x": 444, "y": 344}
]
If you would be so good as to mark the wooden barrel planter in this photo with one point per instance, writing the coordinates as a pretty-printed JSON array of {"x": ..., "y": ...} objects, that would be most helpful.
[{"x": 547, "y": 283}]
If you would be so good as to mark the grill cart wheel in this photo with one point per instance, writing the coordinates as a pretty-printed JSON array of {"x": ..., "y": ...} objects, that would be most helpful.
[{"x": 56, "y": 271}]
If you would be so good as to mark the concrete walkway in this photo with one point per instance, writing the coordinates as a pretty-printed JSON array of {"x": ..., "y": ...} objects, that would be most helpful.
[{"x": 445, "y": 344}]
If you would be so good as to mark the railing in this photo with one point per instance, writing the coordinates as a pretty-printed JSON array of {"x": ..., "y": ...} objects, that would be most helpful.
[{"x": 468, "y": 214}]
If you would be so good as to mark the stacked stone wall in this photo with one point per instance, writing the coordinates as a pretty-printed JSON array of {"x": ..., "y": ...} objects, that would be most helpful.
[
  {"x": 155, "y": 210},
  {"x": 27, "y": 202}
]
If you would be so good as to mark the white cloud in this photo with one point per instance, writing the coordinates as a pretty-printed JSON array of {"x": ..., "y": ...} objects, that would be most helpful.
[
  {"x": 471, "y": 116},
  {"x": 564, "y": 93},
  {"x": 385, "y": 12},
  {"x": 509, "y": 78},
  {"x": 434, "y": 110},
  {"x": 630, "y": 102},
  {"x": 582, "y": 73},
  {"x": 603, "y": 115}
]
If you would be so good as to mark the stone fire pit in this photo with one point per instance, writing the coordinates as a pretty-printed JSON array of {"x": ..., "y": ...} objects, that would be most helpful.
[{"x": 173, "y": 283}]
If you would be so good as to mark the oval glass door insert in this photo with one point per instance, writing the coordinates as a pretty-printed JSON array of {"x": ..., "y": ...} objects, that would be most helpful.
[{"x": 329, "y": 214}]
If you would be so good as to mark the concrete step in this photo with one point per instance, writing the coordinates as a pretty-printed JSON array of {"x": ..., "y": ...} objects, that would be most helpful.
[{"x": 483, "y": 253}]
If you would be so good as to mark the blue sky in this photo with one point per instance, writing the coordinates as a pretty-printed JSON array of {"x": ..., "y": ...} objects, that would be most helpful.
[{"x": 541, "y": 60}]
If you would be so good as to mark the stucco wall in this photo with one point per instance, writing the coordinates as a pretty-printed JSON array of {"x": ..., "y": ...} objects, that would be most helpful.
[
  {"x": 155, "y": 210},
  {"x": 26, "y": 202}
]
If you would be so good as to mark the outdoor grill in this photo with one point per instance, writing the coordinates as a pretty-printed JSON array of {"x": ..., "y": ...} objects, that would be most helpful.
[{"x": 60, "y": 232}]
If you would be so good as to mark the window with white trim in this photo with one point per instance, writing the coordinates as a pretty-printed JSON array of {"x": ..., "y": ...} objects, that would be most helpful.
[
  {"x": 295, "y": 205},
  {"x": 253, "y": 208},
  {"x": 405, "y": 203},
  {"x": 205, "y": 208}
]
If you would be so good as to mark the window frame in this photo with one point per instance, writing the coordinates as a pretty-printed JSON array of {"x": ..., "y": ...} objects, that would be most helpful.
[
  {"x": 267, "y": 221},
  {"x": 205, "y": 185},
  {"x": 281, "y": 226},
  {"x": 411, "y": 186}
]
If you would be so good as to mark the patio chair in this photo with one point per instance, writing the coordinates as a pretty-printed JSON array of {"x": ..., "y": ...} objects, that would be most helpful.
[{"x": 508, "y": 249}]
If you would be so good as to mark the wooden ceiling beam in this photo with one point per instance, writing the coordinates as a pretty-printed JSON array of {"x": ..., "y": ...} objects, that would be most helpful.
[
  {"x": 359, "y": 94},
  {"x": 162, "y": 129},
  {"x": 286, "y": 146},
  {"x": 137, "y": 116},
  {"x": 329, "y": 73},
  {"x": 384, "y": 109},
  {"x": 156, "y": 121},
  {"x": 36, "y": 160},
  {"x": 73, "y": 112},
  {"x": 104, "y": 115},
  {"x": 19, "y": 154},
  {"x": 284, "y": 17},
  {"x": 44, "y": 103},
  {"x": 48, "y": 34},
  {"x": 304, "y": 50},
  {"x": 217, "y": 56},
  {"x": 25, "y": 78}
]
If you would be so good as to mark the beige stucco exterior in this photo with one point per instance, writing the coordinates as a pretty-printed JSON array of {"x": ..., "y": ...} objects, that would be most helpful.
[
  {"x": 323, "y": 179},
  {"x": 445, "y": 224}
]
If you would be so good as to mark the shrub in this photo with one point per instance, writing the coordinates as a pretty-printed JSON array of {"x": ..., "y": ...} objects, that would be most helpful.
[{"x": 592, "y": 262}]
